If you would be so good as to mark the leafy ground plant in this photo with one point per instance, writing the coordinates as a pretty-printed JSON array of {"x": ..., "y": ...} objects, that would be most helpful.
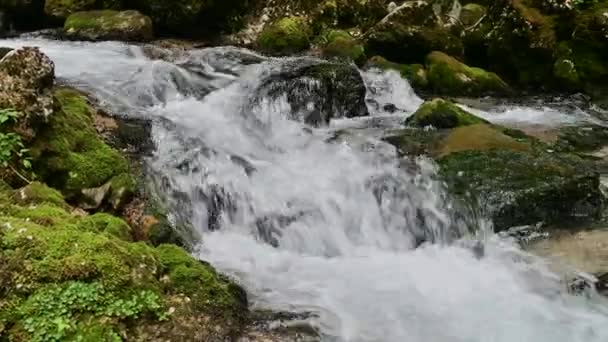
[{"x": 11, "y": 145}]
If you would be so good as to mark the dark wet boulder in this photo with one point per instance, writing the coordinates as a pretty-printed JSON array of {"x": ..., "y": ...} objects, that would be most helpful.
[
  {"x": 441, "y": 114},
  {"x": 109, "y": 25},
  {"x": 285, "y": 36},
  {"x": 449, "y": 76},
  {"x": 317, "y": 90},
  {"x": 410, "y": 32},
  {"x": 586, "y": 138},
  {"x": 415, "y": 73}
]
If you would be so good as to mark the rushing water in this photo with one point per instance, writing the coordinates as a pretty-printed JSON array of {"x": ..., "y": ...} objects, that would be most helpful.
[{"x": 308, "y": 220}]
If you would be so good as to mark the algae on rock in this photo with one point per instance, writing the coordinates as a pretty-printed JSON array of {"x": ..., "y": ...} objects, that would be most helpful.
[
  {"x": 285, "y": 36},
  {"x": 109, "y": 25},
  {"x": 440, "y": 114}
]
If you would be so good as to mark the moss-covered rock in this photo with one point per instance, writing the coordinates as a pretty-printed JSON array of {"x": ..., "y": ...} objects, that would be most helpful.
[
  {"x": 411, "y": 32},
  {"x": 440, "y": 114},
  {"x": 472, "y": 13},
  {"x": 285, "y": 36},
  {"x": 38, "y": 193},
  {"x": 586, "y": 138},
  {"x": 340, "y": 44},
  {"x": 414, "y": 73},
  {"x": 447, "y": 75},
  {"x": 62, "y": 9},
  {"x": 68, "y": 154},
  {"x": 77, "y": 278},
  {"x": 524, "y": 187},
  {"x": 479, "y": 137},
  {"x": 109, "y": 25}
]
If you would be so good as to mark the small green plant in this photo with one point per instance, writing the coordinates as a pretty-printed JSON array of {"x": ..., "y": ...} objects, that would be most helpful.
[
  {"x": 11, "y": 145},
  {"x": 77, "y": 310}
]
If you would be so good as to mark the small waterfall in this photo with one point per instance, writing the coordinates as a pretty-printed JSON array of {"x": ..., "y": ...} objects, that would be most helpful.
[{"x": 323, "y": 219}]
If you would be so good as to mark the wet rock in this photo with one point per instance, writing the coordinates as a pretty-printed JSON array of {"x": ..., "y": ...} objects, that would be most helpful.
[
  {"x": 449, "y": 76},
  {"x": 479, "y": 137},
  {"x": 415, "y": 73},
  {"x": 442, "y": 114},
  {"x": 317, "y": 91},
  {"x": 411, "y": 32},
  {"x": 586, "y": 138},
  {"x": 524, "y": 187},
  {"x": 285, "y": 36},
  {"x": 109, "y": 25}
]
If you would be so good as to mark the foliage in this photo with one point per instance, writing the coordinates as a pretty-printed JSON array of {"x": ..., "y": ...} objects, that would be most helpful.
[
  {"x": 52, "y": 314},
  {"x": 11, "y": 145}
]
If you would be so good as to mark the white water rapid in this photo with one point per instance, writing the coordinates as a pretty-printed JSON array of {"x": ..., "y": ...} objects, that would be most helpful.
[{"x": 311, "y": 220}]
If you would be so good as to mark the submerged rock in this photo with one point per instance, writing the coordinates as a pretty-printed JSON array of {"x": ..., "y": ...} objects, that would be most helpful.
[
  {"x": 447, "y": 75},
  {"x": 285, "y": 36},
  {"x": 109, "y": 25},
  {"x": 441, "y": 113}
]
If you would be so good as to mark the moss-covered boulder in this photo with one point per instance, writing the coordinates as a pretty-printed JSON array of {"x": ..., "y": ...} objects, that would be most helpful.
[
  {"x": 449, "y": 76},
  {"x": 109, "y": 25},
  {"x": 409, "y": 33},
  {"x": 441, "y": 114},
  {"x": 68, "y": 154},
  {"x": 479, "y": 137},
  {"x": 340, "y": 44},
  {"x": 62, "y": 9},
  {"x": 285, "y": 36},
  {"x": 516, "y": 188},
  {"x": 585, "y": 138},
  {"x": 415, "y": 73},
  {"x": 472, "y": 13},
  {"x": 68, "y": 277}
]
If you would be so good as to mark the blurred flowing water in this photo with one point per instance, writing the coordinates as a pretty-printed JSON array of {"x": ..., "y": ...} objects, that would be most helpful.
[{"x": 326, "y": 219}]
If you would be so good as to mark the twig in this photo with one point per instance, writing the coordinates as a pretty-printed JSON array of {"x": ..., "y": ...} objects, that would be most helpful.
[{"x": 20, "y": 175}]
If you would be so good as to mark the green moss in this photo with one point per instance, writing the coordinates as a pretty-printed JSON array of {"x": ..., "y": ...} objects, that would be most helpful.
[
  {"x": 199, "y": 281},
  {"x": 565, "y": 70},
  {"x": 472, "y": 13},
  {"x": 479, "y": 137},
  {"x": 123, "y": 188},
  {"x": 442, "y": 114},
  {"x": 341, "y": 44},
  {"x": 285, "y": 36},
  {"x": 101, "y": 222},
  {"x": 68, "y": 154},
  {"x": 414, "y": 73},
  {"x": 523, "y": 187},
  {"x": 449, "y": 76},
  {"x": 38, "y": 193},
  {"x": 69, "y": 277},
  {"x": 109, "y": 25},
  {"x": 585, "y": 138}
]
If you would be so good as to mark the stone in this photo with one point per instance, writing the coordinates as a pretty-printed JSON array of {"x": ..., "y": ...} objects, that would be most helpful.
[
  {"x": 285, "y": 36},
  {"x": 27, "y": 77},
  {"x": 109, "y": 25},
  {"x": 449, "y": 76},
  {"x": 415, "y": 73},
  {"x": 442, "y": 114},
  {"x": 340, "y": 44}
]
